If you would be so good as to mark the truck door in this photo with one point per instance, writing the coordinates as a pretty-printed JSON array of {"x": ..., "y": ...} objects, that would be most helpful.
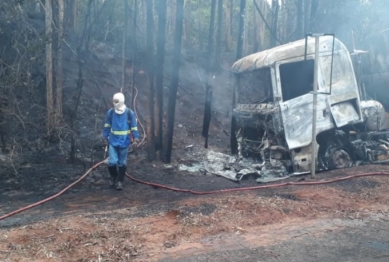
[{"x": 295, "y": 80}]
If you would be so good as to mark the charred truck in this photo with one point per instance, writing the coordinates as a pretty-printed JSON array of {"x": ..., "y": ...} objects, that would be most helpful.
[{"x": 273, "y": 109}]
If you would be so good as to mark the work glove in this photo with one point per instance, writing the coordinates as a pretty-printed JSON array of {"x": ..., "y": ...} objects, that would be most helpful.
[{"x": 105, "y": 141}]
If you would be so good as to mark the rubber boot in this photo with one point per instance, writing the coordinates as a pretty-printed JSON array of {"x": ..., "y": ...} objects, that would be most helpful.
[
  {"x": 120, "y": 178},
  {"x": 114, "y": 174}
]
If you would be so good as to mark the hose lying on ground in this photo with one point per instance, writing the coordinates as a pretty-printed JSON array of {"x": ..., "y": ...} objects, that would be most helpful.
[
  {"x": 321, "y": 182},
  {"x": 53, "y": 196}
]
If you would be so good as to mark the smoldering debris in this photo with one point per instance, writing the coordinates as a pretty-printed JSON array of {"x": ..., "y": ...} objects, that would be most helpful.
[{"x": 235, "y": 169}]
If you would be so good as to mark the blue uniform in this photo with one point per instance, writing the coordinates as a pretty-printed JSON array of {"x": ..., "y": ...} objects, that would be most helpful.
[{"x": 118, "y": 128}]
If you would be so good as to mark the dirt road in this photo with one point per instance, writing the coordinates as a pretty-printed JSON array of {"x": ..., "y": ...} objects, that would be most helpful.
[{"x": 320, "y": 240}]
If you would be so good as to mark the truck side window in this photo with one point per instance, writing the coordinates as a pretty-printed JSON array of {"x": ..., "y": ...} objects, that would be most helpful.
[{"x": 296, "y": 78}]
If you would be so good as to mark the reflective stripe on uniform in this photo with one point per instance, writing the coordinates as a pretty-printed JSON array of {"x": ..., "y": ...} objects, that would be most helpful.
[
  {"x": 107, "y": 125},
  {"x": 120, "y": 133},
  {"x": 134, "y": 129}
]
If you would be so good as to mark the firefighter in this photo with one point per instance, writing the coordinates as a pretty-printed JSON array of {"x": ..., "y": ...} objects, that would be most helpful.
[{"x": 120, "y": 131}]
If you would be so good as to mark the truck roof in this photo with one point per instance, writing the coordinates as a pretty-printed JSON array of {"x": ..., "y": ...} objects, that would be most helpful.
[{"x": 283, "y": 52}]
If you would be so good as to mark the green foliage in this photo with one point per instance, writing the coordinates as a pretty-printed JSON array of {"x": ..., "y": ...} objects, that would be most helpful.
[{"x": 197, "y": 17}]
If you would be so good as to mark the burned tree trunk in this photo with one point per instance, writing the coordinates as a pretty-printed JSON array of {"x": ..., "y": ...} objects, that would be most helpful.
[
  {"x": 256, "y": 32},
  {"x": 49, "y": 65},
  {"x": 133, "y": 55},
  {"x": 239, "y": 48},
  {"x": 208, "y": 87},
  {"x": 124, "y": 42},
  {"x": 81, "y": 56},
  {"x": 274, "y": 25},
  {"x": 159, "y": 68},
  {"x": 150, "y": 76},
  {"x": 59, "y": 78},
  {"x": 228, "y": 24},
  {"x": 219, "y": 34},
  {"x": 175, "y": 79}
]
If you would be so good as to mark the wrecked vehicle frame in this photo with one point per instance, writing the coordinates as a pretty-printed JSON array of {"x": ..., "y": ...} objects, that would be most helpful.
[{"x": 273, "y": 102}]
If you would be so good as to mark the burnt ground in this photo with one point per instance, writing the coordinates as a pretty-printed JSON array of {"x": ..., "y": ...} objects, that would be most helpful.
[{"x": 342, "y": 221}]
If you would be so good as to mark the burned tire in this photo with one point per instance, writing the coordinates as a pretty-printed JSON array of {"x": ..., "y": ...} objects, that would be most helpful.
[
  {"x": 335, "y": 150},
  {"x": 339, "y": 158},
  {"x": 334, "y": 157}
]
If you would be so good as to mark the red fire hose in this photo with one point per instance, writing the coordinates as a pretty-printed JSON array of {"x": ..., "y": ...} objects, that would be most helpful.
[
  {"x": 321, "y": 182},
  {"x": 197, "y": 192}
]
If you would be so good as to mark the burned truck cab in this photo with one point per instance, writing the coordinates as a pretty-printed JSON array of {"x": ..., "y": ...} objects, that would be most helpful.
[{"x": 273, "y": 109}]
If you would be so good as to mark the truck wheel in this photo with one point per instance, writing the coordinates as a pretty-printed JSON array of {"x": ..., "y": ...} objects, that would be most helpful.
[{"x": 339, "y": 158}]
